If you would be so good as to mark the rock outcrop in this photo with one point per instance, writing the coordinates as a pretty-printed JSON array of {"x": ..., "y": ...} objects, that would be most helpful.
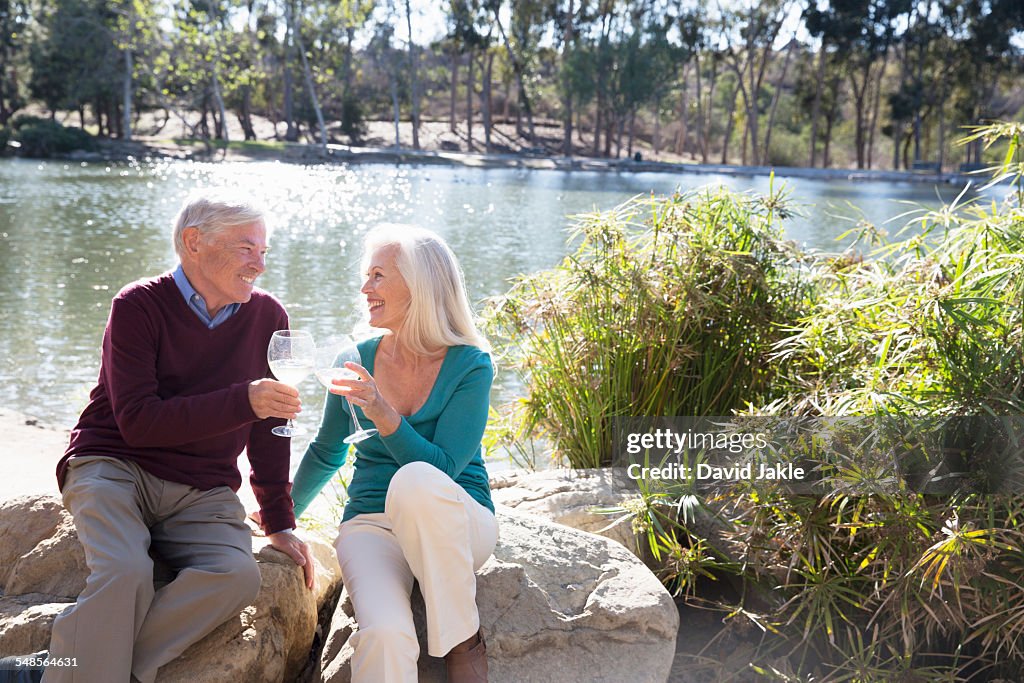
[
  {"x": 556, "y": 604},
  {"x": 42, "y": 570},
  {"x": 572, "y": 498}
]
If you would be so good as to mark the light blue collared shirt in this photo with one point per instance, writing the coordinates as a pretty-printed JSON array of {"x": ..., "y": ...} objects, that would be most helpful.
[{"x": 196, "y": 302}]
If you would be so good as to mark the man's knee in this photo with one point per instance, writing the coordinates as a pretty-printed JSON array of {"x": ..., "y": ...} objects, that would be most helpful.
[
  {"x": 129, "y": 572},
  {"x": 241, "y": 578}
]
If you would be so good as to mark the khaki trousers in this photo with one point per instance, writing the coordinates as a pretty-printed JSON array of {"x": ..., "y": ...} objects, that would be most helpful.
[
  {"x": 432, "y": 531},
  {"x": 120, "y": 629}
]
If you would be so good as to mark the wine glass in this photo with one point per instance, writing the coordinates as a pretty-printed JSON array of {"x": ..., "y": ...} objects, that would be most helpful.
[
  {"x": 291, "y": 355},
  {"x": 331, "y": 356}
]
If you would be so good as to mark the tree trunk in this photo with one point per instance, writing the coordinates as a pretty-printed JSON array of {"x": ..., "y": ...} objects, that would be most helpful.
[
  {"x": 709, "y": 110},
  {"x": 126, "y": 109},
  {"x": 877, "y": 98},
  {"x": 632, "y": 131},
  {"x": 775, "y": 101},
  {"x": 730, "y": 120},
  {"x": 346, "y": 73},
  {"x": 859, "y": 94},
  {"x": 413, "y": 86},
  {"x": 396, "y": 109},
  {"x": 469, "y": 101},
  {"x": 700, "y": 111},
  {"x": 566, "y": 86},
  {"x": 816, "y": 106},
  {"x": 485, "y": 99},
  {"x": 826, "y": 159},
  {"x": 611, "y": 123},
  {"x": 753, "y": 115},
  {"x": 897, "y": 124},
  {"x": 291, "y": 133},
  {"x": 245, "y": 115},
  {"x": 684, "y": 105},
  {"x": 517, "y": 68},
  {"x": 223, "y": 124},
  {"x": 656, "y": 139},
  {"x": 97, "y": 112},
  {"x": 942, "y": 134},
  {"x": 114, "y": 115},
  {"x": 5, "y": 112},
  {"x": 454, "y": 87},
  {"x": 308, "y": 76},
  {"x": 746, "y": 141},
  {"x": 917, "y": 101}
]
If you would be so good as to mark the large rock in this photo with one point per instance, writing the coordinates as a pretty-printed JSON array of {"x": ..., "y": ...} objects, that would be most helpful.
[
  {"x": 576, "y": 497},
  {"x": 42, "y": 569},
  {"x": 556, "y": 604},
  {"x": 572, "y": 498}
]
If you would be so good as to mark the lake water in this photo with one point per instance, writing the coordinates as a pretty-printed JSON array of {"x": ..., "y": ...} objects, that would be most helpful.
[{"x": 72, "y": 234}]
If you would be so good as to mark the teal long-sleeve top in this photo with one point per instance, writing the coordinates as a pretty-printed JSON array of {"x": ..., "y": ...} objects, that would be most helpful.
[{"x": 446, "y": 432}]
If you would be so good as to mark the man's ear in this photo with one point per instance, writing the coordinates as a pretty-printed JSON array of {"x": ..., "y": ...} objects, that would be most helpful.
[{"x": 190, "y": 237}]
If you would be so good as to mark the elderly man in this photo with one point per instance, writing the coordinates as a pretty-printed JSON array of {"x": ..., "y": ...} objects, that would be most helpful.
[{"x": 152, "y": 460}]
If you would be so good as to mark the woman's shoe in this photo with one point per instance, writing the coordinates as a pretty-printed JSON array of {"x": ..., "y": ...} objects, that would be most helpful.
[{"x": 468, "y": 665}]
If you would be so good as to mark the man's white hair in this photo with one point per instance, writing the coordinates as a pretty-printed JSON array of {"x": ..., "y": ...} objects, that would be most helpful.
[{"x": 213, "y": 210}]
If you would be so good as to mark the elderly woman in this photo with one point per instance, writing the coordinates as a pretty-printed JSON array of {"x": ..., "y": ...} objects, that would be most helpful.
[{"x": 419, "y": 502}]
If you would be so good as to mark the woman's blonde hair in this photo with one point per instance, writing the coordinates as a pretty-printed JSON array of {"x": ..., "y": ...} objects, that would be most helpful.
[{"x": 439, "y": 313}]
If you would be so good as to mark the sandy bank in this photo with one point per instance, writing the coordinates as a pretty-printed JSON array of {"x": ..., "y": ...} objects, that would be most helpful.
[
  {"x": 31, "y": 450},
  {"x": 28, "y": 459},
  {"x": 304, "y": 153}
]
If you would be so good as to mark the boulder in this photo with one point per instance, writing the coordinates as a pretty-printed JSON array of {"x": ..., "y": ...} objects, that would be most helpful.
[
  {"x": 42, "y": 569},
  {"x": 556, "y": 604},
  {"x": 575, "y": 497},
  {"x": 572, "y": 498}
]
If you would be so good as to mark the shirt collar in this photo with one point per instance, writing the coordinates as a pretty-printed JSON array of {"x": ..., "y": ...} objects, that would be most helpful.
[{"x": 196, "y": 302}]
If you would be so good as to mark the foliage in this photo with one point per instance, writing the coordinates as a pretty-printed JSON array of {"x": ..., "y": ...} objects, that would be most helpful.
[
  {"x": 875, "y": 573},
  {"x": 43, "y": 138},
  {"x": 667, "y": 307},
  {"x": 602, "y": 68}
]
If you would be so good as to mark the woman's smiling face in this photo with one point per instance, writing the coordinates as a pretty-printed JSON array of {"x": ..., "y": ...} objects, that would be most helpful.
[{"x": 387, "y": 295}]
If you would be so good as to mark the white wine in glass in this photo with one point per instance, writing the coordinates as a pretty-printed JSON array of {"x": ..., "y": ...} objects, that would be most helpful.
[
  {"x": 331, "y": 356},
  {"x": 292, "y": 356}
]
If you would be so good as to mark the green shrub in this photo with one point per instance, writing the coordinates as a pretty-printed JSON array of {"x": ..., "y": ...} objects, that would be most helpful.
[
  {"x": 895, "y": 585},
  {"x": 353, "y": 119},
  {"x": 26, "y": 120},
  {"x": 668, "y": 307},
  {"x": 5, "y": 136},
  {"x": 43, "y": 138},
  {"x": 701, "y": 311}
]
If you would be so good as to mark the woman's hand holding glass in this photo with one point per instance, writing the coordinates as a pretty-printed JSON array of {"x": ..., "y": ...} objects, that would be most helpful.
[
  {"x": 338, "y": 370},
  {"x": 361, "y": 390}
]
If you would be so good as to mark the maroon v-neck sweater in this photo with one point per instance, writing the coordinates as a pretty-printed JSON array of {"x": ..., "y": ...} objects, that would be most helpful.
[{"x": 173, "y": 395}]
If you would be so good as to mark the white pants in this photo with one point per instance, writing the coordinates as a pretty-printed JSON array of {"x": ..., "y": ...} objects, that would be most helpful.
[{"x": 432, "y": 531}]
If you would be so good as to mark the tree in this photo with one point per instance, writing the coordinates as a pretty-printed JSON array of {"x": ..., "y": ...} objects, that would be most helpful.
[
  {"x": 14, "y": 20},
  {"x": 77, "y": 63},
  {"x": 521, "y": 48},
  {"x": 750, "y": 34}
]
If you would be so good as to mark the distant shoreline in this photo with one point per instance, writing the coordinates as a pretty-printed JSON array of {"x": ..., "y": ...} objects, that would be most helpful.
[{"x": 305, "y": 153}]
